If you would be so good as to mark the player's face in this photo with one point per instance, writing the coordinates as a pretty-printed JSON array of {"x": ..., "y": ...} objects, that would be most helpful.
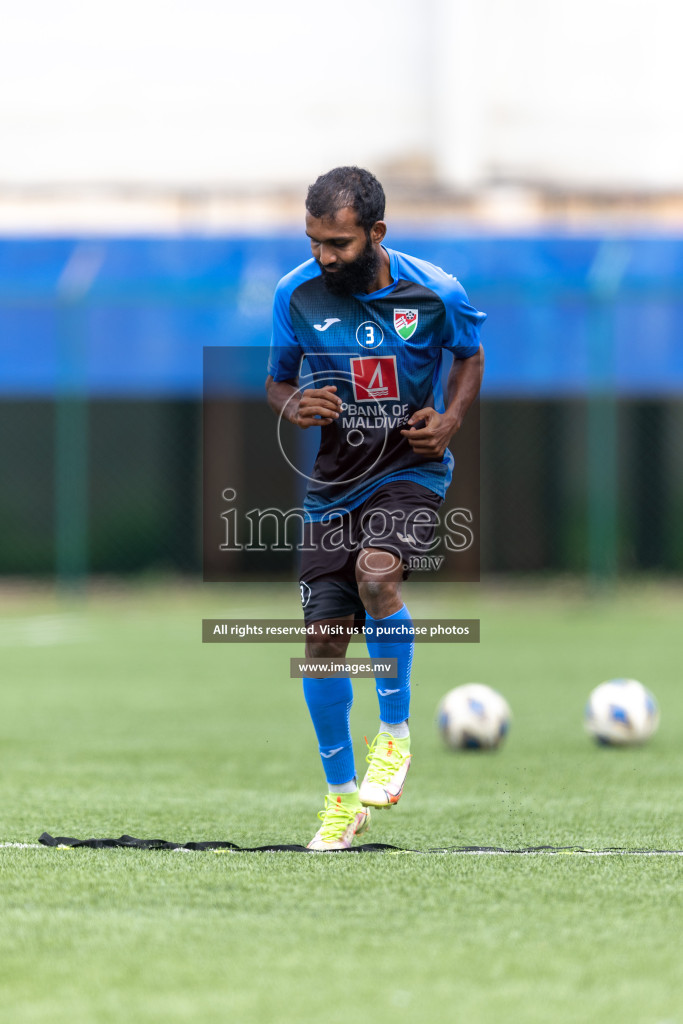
[{"x": 348, "y": 257}]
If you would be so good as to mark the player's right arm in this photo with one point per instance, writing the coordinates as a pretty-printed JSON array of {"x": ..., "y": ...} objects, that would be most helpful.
[{"x": 314, "y": 407}]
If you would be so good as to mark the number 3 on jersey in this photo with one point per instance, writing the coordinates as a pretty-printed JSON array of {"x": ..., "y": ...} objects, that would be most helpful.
[
  {"x": 374, "y": 378},
  {"x": 369, "y": 334}
]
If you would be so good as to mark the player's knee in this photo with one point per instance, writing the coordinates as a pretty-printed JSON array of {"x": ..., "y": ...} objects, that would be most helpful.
[
  {"x": 326, "y": 648},
  {"x": 380, "y": 599},
  {"x": 374, "y": 590}
]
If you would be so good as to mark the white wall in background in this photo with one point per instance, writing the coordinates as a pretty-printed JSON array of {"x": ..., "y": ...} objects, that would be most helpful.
[{"x": 212, "y": 92}]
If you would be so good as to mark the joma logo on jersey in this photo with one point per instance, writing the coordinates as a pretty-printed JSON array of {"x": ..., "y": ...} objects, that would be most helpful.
[
  {"x": 374, "y": 377},
  {"x": 405, "y": 322}
]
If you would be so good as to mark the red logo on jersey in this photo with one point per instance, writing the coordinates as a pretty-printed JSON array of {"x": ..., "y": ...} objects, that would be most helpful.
[{"x": 374, "y": 378}]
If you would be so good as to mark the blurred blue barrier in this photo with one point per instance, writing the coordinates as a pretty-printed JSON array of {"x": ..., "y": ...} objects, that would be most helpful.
[{"x": 147, "y": 306}]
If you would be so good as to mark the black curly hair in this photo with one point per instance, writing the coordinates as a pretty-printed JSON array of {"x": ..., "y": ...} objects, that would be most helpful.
[{"x": 347, "y": 186}]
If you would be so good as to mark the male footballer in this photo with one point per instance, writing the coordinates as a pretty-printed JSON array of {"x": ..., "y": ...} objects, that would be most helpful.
[{"x": 371, "y": 324}]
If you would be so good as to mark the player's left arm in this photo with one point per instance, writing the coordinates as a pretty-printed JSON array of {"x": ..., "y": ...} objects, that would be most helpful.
[{"x": 464, "y": 382}]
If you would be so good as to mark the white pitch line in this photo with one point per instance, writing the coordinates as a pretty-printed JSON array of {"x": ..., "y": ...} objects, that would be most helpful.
[
  {"x": 460, "y": 853},
  {"x": 22, "y": 846},
  {"x": 42, "y": 631},
  {"x": 559, "y": 853}
]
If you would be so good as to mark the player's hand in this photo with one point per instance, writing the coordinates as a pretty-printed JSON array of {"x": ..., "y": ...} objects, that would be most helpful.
[
  {"x": 432, "y": 437},
  {"x": 318, "y": 407}
]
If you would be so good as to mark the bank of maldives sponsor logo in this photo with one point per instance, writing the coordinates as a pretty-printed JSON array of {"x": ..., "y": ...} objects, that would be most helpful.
[
  {"x": 405, "y": 322},
  {"x": 374, "y": 378}
]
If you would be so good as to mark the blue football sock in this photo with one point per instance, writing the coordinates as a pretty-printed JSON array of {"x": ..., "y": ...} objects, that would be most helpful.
[
  {"x": 329, "y": 702},
  {"x": 393, "y": 694}
]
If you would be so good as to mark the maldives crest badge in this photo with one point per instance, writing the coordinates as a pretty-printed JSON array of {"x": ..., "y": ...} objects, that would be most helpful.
[{"x": 405, "y": 322}]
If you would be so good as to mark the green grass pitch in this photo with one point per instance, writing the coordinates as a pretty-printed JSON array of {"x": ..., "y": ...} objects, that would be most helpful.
[{"x": 115, "y": 718}]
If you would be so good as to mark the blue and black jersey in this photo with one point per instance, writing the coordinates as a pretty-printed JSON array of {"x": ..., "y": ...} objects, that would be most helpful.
[{"x": 383, "y": 351}]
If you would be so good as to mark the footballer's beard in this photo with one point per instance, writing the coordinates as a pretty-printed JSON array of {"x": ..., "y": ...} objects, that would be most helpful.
[{"x": 353, "y": 278}]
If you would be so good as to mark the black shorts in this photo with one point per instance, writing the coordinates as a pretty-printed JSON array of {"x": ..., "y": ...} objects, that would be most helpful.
[{"x": 400, "y": 517}]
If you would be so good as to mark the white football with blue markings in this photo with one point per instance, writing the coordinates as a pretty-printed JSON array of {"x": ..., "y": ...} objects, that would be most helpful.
[
  {"x": 621, "y": 712},
  {"x": 473, "y": 717}
]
